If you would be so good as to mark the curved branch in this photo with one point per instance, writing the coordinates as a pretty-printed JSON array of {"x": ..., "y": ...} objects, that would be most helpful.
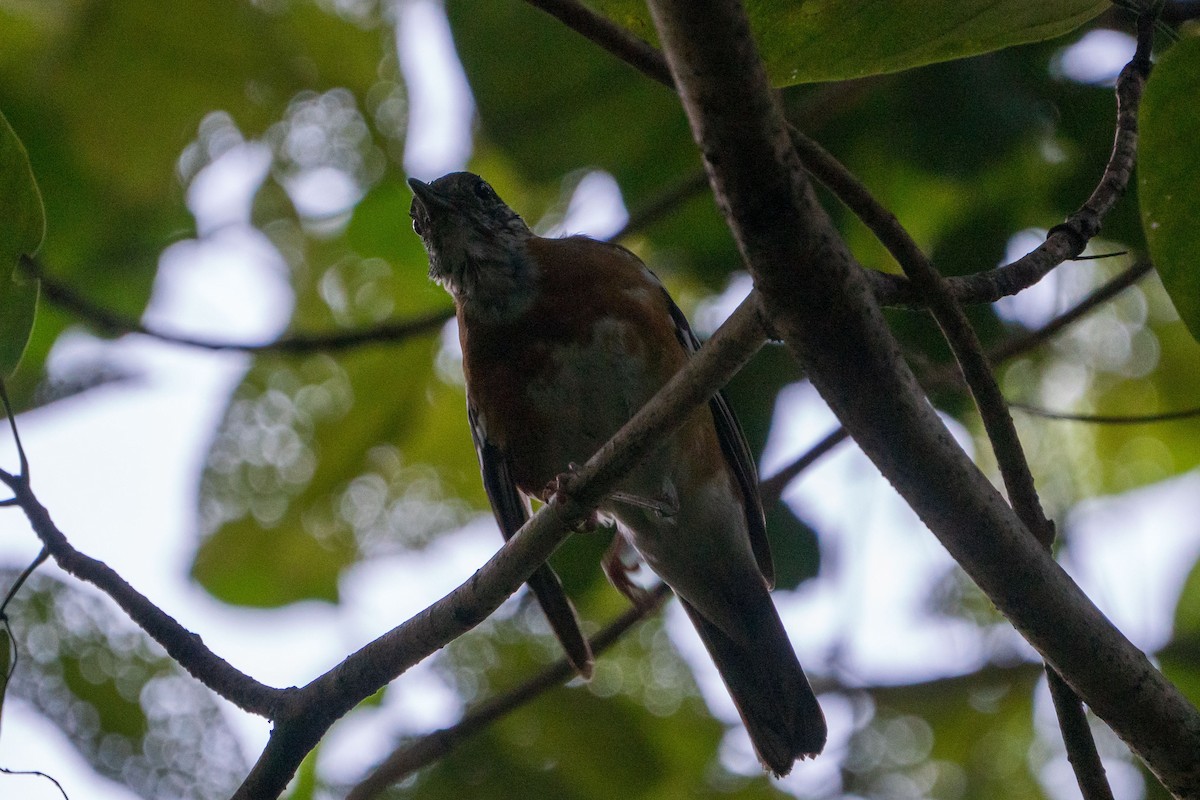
[
  {"x": 828, "y": 318},
  {"x": 106, "y": 320}
]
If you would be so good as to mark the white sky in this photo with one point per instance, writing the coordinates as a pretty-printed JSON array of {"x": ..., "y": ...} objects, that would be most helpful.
[{"x": 118, "y": 470}]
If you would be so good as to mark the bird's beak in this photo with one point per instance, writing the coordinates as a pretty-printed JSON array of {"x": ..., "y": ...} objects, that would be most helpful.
[{"x": 429, "y": 198}]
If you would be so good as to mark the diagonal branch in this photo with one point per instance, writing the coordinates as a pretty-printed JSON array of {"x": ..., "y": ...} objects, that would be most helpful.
[
  {"x": 312, "y": 709},
  {"x": 817, "y": 298}
]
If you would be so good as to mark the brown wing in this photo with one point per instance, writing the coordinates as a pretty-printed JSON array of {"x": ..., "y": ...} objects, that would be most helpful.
[
  {"x": 737, "y": 454},
  {"x": 512, "y": 511}
]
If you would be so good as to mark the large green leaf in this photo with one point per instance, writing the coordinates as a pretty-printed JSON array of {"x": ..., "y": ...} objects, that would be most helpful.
[
  {"x": 22, "y": 226},
  {"x": 803, "y": 41},
  {"x": 1169, "y": 176}
]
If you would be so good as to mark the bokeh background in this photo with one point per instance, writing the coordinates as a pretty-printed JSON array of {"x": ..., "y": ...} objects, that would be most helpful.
[{"x": 234, "y": 171}]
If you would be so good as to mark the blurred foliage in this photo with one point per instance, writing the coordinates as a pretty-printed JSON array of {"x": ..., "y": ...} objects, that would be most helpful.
[
  {"x": 964, "y": 737},
  {"x": 324, "y": 460},
  {"x": 829, "y": 40},
  {"x": 127, "y": 707},
  {"x": 21, "y": 235}
]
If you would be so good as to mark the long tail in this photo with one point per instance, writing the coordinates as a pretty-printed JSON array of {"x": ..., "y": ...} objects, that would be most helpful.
[
  {"x": 767, "y": 684},
  {"x": 563, "y": 619}
]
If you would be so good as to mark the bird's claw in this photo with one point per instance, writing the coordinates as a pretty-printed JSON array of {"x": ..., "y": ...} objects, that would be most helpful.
[
  {"x": 619, "y": 571},
  {"x": 559, "y": 483}
]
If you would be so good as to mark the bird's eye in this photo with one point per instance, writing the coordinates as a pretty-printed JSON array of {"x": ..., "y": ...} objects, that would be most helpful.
[
  {"x": 420, "y": 224},
  {"x": 485, "y": 192}
]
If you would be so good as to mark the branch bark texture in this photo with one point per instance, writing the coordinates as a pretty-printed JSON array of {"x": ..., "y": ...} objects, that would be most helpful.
[{"x": 819, "y": 300}]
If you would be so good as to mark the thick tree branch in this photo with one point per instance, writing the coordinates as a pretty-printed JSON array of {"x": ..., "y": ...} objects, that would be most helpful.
[
  {"x": 311, "y": 710},
  {"x": 772, "y": 488},
  {"x": 820, "y": 302}
]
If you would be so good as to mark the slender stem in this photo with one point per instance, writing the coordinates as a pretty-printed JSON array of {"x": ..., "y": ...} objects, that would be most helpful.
[
  {"x": 181, "y": 644},
  {"x": 108, "y": 321}
]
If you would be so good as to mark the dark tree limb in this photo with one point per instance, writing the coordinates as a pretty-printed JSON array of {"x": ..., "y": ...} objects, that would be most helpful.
[{"x": 817, "y": 298}]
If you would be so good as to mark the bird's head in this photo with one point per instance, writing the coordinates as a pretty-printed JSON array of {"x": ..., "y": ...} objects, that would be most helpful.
[{"x": 476, "y": 243}]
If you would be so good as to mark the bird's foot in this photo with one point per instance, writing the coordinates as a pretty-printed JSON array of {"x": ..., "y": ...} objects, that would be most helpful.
[
  {"x": 619, "y": 563},
  {"x": 560, "y": 483}
]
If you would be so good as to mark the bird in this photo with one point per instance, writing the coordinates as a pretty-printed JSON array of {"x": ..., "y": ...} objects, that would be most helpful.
[{"x": 563, "y": 340}]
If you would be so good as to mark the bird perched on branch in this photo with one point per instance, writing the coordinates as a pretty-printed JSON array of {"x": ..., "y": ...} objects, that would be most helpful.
[{"x": 563, "y": 340}]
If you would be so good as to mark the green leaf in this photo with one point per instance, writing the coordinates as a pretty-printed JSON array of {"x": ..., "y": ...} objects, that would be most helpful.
[
  {"x": 1169, "y": 176},
  {"x": 804, "y": 41},
  {"x": 22, "y": 227}
]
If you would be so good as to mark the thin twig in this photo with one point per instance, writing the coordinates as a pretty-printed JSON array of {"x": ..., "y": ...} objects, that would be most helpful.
[
  {"x": 609, "y": 35},
  {"x": 1077, "y": 737},
  {"x": 38, "y": 560},
  {"x": 107, "y": 321},
  {"x": 1108, "y": 419},
  {"x": 22, "y": 458},
  {"x": 430, "y": 747},
  {"x": 1098, "y": 297},
  {"x": 34, "y": 773},
  {"x": 772, "y": 488}
]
